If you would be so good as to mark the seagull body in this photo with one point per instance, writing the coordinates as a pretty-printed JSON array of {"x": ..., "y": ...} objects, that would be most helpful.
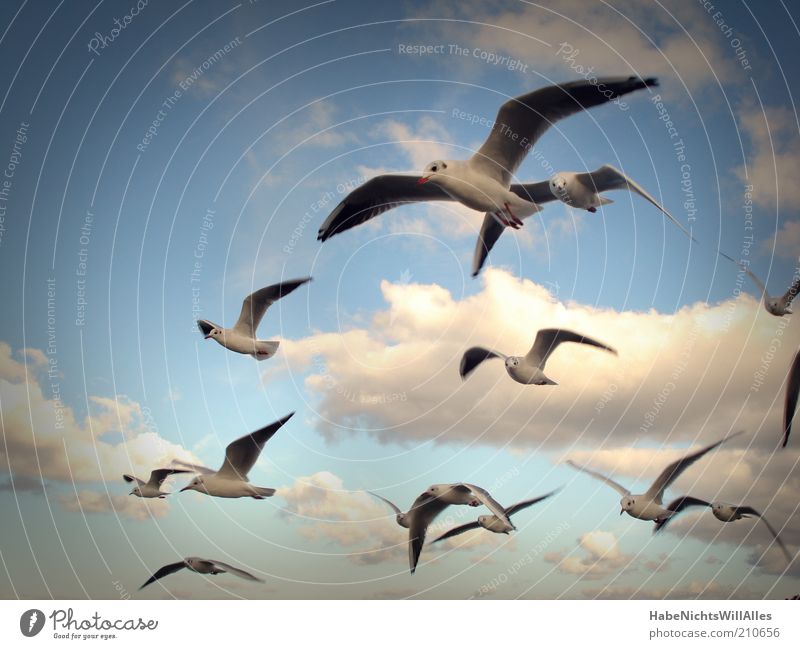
[
  {"x": 152, "y": 488},
  {"x": 241, "y": 338},
  {"x": 528, "y": 369},
  {"x": 231, "y": 480},
  {"x": 200, "y": 566},
  {"x": 648, "y": 506},
  {"x": 432, "y": 502},
  {"x": 492, "y": 522},
  {"x": 724, "y": 512},
  {"x": 792, "y": 394},
  {"x": 483, "y": 182}
]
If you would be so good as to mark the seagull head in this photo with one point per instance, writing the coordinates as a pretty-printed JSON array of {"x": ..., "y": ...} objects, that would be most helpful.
[
  {"x": 195, "y": 485},
  {"x": 558, "y": 186},
  {"x": 402, "y": 520},
  {"x": 626, "y": 504},
  {"x": 512, "y": 361},
  {"x": 435, "y": 168},
  {"x": 135, "y": 492},
  {"x": 209, "y": 329}
]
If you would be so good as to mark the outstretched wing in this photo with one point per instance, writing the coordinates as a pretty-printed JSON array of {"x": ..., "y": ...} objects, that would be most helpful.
[
  {"x": 548, "y": 339},
  {"x": 127, "y": 477},
  {"x": 671, "y": 473},
  {"x": 422, "y": 513},
  {"x": 749, "y": 511},
  {"x": 599, "y": 476},
  {"x": 787, "y": 297},
  {"x": 256, "y": 304},
  {"x": 473, "y": 357},
  {"x": 521, "y": 121},
  {"x": 677, "y": 506},
  {"x": 241, "y": 455},
  {"x": 376, "y": 196},
  {"x": 474, "y": 525},
  {"x": 235, "y": 571},
  {"x": 790, "y": 402},
  {"x": 388, "y": 502},
  {"x": 158, "y": 476},
  {"x": 163, "y": 572},
  {"x": 609, "y": 178},
  {"x": 524, "y": 504},
  {"x": 193, "y": 468}
]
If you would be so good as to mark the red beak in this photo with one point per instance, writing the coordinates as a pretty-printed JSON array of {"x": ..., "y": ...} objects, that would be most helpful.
[
  {"x": 422, "y": 181},
  {"x": 207, "y": 336}
]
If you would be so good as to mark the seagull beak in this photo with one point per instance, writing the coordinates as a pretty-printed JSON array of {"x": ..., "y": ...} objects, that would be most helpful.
[
  {"x": 186, "y": 488},
  {"x": 621, "y": 512},
  {"x": 207, "y": 336},
  {"x": 423, "y": 180}
]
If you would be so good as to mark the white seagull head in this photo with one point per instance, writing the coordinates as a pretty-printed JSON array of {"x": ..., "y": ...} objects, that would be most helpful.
[
  {"x": 626, "y": 504},
  {"x": 433, "y": 171},
  {"x": 209, "y": 329},
  {"x": 558, "y": 185},
  {"x": 195, "y": 485}
]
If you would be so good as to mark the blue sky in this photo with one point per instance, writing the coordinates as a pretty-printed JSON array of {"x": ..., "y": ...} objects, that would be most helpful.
[{"x": 247, "y": 152}]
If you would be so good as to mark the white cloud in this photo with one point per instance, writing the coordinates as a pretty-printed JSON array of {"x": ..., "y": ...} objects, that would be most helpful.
[
  {"x": 601, "y": 557},
  {"x": 98, "y": 502}
]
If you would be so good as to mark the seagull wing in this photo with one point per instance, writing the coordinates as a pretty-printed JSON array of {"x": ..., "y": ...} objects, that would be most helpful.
[
  {"x": 388, "y": 502},
  {"x": 755, "y": 279},
  {"x": 422, "y": 513},
  {"x": 256, "y": 304},
  {"x": 787, "y": 297},
  {"x": 194, "y": 468},
  {"x": 486, "y": 498},
  {"x": 521, "y": 121},
  {"x": 792, "y": 392},
  {"x": 473, "y": 357},
  {"x": 524, "y": 504},
  {"x": 749, "y": 511},
  {"x": 457, "y": 530},
  {"x": 234, "y": 571},
  {"x": 608, "y": 178},
  {"x": 674, "y": 470},
  {"x": 158, "y": 476},
  {"x": 127, "y": 477},
  {"x": 548, "y": 339},
  {"x": 491, "y": 229},
  {"x": 677, "y": 506},
  {"x": 241, "y": 455},
  {"x": 163, "y": 572},
  {"x": 376, "y": 196},
  {"x": 599, "y": 476}
]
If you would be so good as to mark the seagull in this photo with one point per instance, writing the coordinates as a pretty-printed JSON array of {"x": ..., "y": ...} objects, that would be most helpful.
[
  {"x": 241, "y": 338},
  {"x": 778, "y": 305},
  {"x": 647, "y": 506},
  {"x": 201, "y": 566},
  {"x": 529, "y": 369},
  {"x": 231, "y": 480},
  {"x": 493, "y": 523},
  {"x": 152, "y": 488},
  {"x": 722, "y": 511},
  {"x": 402, "y": 518},
  {"x": 579, "y": 190},
  {"x": 483, "y": 182},
  {"x": 792, "y": 391},
  {"x": 432, "y": 502}
]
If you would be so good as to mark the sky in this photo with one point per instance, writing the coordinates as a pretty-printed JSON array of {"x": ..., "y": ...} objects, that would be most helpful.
[{"x": 163, "y": 160}]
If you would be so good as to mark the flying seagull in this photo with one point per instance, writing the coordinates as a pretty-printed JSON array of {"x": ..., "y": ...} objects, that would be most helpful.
[
  {"x": 152, "y": 488},
  {"x": 722, "y": 511},
  {"x": 433, "y": 501},
  {"x": 241, "y": 338},
  {"x": 201, "y": 566},
  {"x": 529, "y": 369},
  {"x": 483, "y": 182},
  {"x": 402, "y": 518},
  {"x": 647, "y": 506},
  {"x": 231, "y": 480},
  {"x": 792, "y": 391},
  {"x": 492, "y": 522},
  {"x": 578, "y": 190},
  {"x": 779, "y": 305}
]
